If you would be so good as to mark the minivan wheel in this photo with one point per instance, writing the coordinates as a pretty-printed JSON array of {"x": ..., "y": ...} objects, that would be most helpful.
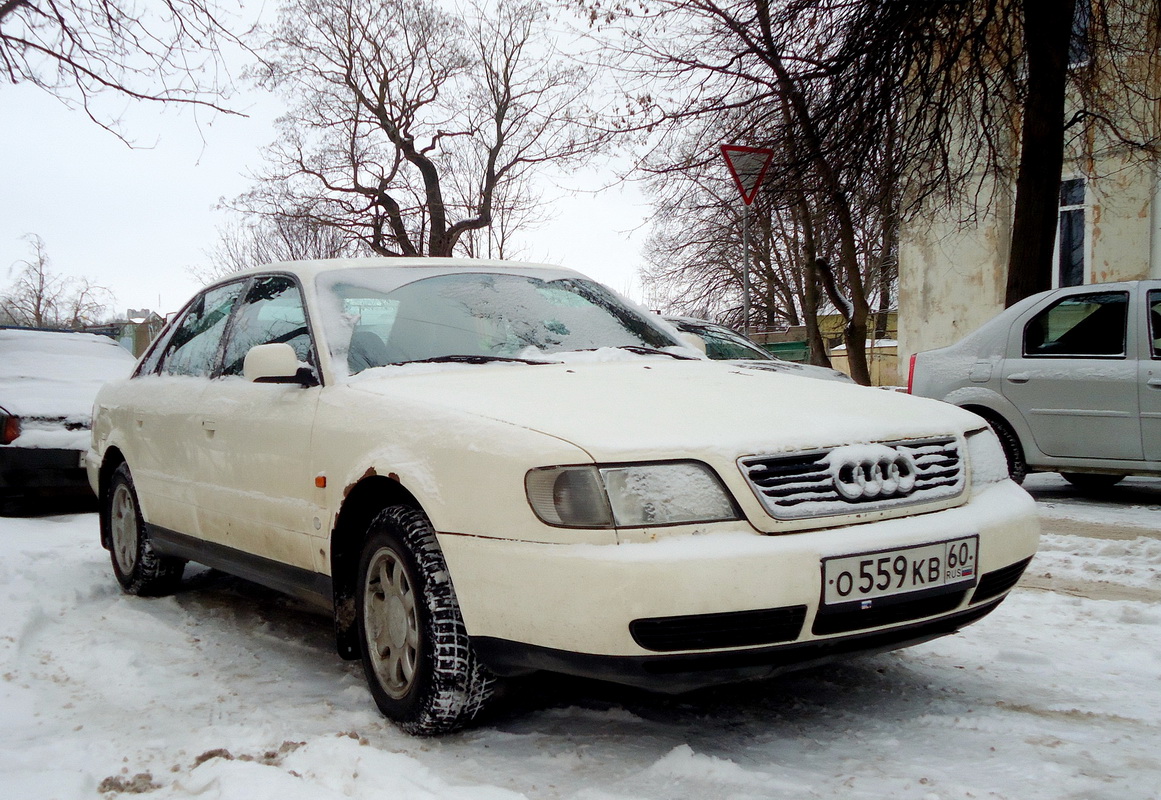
[
  {"x": 1092, "y": 481},
  {"x": 139, "y": 569},
  {"x": 418, "y": 660}
]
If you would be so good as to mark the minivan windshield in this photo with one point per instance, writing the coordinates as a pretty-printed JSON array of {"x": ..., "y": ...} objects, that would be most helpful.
[{"x": 474, "y": 317}]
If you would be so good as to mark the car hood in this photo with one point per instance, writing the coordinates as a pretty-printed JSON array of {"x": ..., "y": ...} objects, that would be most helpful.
[
  {"x": 794, "y": 368},
  {"x": 661, "y": 408}
]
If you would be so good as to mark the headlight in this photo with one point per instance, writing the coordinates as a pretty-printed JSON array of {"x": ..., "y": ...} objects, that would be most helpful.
[
  {"x": 629, "y": 495},
  {"x": 986, "y": 457}
]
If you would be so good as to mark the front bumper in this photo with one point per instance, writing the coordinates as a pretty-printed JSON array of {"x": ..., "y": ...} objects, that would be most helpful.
[
  {"x": 724, "y": 605},
  {"x": 31, "y": 471}
]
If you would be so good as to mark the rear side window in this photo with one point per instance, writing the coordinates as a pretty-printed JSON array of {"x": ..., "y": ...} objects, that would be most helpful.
[
  {"x": 1080, "y": 326},
  {"x": 196, "y": 340},
  {"x": 1155, "y": 322},
  {"x": 272, "y": 312}
]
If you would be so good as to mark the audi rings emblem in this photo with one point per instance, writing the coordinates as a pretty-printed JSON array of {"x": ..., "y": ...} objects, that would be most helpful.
[{"x": 872, "y": 472}]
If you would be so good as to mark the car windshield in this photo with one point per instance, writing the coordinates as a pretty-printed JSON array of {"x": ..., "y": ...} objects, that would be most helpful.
[
  {"x": 474, "y": 317},
  {"x": 724, "y": 343}
]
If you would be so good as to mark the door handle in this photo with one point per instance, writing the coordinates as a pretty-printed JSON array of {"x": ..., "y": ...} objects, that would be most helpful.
[
  {"x": 1019, "y": 377},
  {"x": 1155, "y": 383},
  {"x": 209, "y": 425}
]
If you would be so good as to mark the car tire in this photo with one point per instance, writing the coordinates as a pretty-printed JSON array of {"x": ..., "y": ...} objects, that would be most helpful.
[
  {"x": 138, "y": 567},
  {"x": 418, "y": 660},
  {"x": 1092, "y": 481},
  {"x": 1013, "y": 452}
]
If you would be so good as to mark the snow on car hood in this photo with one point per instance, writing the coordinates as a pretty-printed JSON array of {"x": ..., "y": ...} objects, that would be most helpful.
[
  {"x": 655, "y": 407},
  {"x": 48, "y": 374}
]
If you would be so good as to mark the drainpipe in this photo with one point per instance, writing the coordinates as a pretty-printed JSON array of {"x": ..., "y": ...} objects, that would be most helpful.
[{"x": 1155, "y": 222}]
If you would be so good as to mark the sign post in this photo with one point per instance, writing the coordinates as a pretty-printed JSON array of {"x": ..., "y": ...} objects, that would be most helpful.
[{"x": 748, "y": 167}]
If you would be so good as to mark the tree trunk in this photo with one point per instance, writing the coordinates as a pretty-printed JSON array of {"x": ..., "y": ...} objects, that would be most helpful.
[{"x": 1047, "y": 33}]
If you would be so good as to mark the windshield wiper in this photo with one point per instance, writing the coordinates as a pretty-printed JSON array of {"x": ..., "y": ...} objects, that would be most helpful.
[
  {"x": 461, "y": 359},
  {"x": 653, "y": 351}
]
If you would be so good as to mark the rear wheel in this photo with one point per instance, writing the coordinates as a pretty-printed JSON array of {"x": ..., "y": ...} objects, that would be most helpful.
[
  {"x": 139, "y": 569},
  {"x": 1091, "y": 481},
  {"x": 419, "y": 662},
  {"x": 1013, "y": 452}
]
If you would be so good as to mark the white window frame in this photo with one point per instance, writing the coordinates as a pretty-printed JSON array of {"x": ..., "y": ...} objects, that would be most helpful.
[{"x": 1086, "y": 244}]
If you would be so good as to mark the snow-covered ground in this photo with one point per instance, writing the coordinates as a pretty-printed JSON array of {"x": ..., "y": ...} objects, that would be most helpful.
[{"x": 228, "y": 691}]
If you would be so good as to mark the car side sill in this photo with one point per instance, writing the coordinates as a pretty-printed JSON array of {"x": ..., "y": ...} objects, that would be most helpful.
[{"x": 312, "y": 587}]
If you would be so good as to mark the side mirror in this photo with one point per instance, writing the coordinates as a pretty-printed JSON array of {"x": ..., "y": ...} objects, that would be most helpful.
[{"x": 276, "y": 363}]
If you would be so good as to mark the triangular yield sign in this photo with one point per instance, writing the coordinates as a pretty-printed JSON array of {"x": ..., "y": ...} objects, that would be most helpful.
[{"x": 748, "y": 165}]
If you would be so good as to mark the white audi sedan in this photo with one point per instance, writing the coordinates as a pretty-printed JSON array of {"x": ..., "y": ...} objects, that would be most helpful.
[{"x": 486, "y": 469}]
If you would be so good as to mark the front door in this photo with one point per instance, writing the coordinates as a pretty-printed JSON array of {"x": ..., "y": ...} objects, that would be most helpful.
[
  {"x": 256, "y": 481},
  {"x": 1071, "y": 373}
]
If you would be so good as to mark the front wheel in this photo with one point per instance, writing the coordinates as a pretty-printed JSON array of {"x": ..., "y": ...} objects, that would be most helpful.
[
  {"x": 419, "y": 662},
  {"x": 139, "y": 569}
]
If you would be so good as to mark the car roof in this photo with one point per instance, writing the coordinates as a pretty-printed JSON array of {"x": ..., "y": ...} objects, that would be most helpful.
[{"x": 310, "y": 269}]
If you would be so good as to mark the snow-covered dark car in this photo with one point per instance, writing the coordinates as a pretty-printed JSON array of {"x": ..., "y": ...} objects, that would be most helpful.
[
  {"x": 723, "y": 343},
  {"x": 48, "y": 380},
  {"x": 1070, "y": 379}
]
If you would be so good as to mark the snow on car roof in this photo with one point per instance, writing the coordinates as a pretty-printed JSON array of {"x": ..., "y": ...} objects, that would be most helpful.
[
  {"x": 56, "y": 374},
  {"x": 308, "y": 270}
]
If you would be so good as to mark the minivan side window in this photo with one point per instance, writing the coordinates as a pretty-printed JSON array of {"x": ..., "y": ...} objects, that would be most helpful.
[
  {"x": 1080, "y": 326},
  {"x": 271, "y": 312},
  {"x": 194, "y": 345}
]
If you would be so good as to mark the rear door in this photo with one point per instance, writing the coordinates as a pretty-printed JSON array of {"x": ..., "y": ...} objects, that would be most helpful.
[
  {"x": 162, "y": 419},
  {"x": 1072, "y": 373}
]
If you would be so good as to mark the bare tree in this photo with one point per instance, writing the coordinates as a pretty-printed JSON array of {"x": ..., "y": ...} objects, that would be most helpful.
[
  {"x": 757, "y": 79},
  {"x": 77, "y": 49},
  {"x": 899, "y": 104},
  {"x": 257, "y": 240},
  {"x": 40, "y": 298},
  {"x": 983, "y": 90},
  {"x": 413, "y": 126}
]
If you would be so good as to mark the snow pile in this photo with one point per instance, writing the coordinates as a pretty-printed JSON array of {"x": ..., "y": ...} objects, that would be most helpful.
[
  {"x": 1135, "y": 563},
  {"x": 228, "y": 691}
]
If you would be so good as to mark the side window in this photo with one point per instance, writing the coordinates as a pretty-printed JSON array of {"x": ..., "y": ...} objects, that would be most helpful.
[
  {"x": 272, "y": 312},
  {"x": 193, "y": 347},
  {"x": 1155, "y": 322},
  {"x": 1081, "y": 326}
]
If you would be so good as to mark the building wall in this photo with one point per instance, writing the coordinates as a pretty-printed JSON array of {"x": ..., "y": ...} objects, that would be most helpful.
[{"x": 952, "y": 277}]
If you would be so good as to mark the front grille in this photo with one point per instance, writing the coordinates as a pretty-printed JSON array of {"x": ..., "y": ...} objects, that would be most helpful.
[
  {"x": 708, "y": 631},
  {"x": 818, "y": 483},
  {"x": 1000, "y": 581}
]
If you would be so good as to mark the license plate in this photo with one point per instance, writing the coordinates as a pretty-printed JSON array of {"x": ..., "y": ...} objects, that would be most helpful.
[{"x": 884, "y": 573}]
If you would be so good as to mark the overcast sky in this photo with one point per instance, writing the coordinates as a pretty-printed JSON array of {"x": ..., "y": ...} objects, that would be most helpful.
[{"x": 134, "y": 220}]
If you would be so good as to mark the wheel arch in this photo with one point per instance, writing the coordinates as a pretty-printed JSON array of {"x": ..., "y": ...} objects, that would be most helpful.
[
  {"x": 993, "y": 406},
  {"x": 113, "y": 458},
  {"x": 363, "y": 501}
]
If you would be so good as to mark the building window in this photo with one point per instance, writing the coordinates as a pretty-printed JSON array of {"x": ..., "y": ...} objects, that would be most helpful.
[
  {"x": 1078, "y": 44},
  {"x": 1070, "y": 234}
]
